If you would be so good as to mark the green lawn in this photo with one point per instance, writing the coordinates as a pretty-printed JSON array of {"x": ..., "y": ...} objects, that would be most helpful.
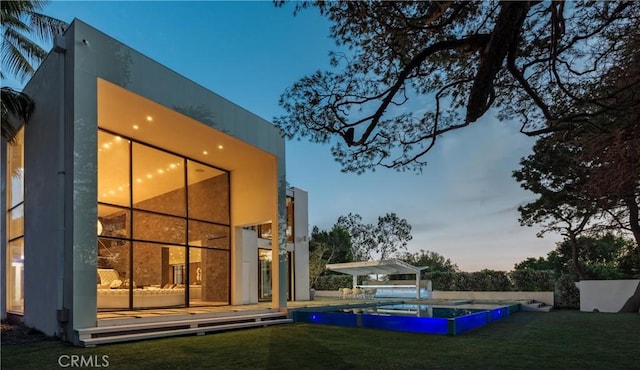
[{"x": 560, "y": 340}]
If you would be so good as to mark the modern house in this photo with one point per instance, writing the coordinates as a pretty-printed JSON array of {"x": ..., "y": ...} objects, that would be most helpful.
[{"x": 134, "y": 188}]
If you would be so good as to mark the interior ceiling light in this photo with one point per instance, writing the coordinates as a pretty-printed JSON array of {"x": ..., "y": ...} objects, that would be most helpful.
[
  {"x": 135, "y": 127},
  {"x": 220, "y": 147},
  {"x": 149, "y": 118},
  {"x": 205, "y": 152}
]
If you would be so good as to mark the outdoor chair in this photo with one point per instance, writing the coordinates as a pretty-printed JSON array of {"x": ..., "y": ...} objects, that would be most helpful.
[
  {"x": 346, "y": 292},
  {"x": 357, "y": 293}
]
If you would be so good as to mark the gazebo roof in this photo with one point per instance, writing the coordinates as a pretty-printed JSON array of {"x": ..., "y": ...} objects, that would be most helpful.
[{"x": 385, "y": 267}]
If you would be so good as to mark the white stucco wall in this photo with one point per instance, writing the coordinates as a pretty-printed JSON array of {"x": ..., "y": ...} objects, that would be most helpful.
[
  {"x": 605, "y": 295},
  {"x": 245, "y": 261},
  {"x": 301, "y": 244},
  {"x": 545, "y": 297}
]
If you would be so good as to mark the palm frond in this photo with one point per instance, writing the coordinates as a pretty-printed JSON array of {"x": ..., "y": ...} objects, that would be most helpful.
[
  {"x": 46, "y": 27},
  {"x": 11, "y": 21},
  {"x": 16, "y": 109},
  {"x": 17, "y": 8},
  {"x": 21, "y": 23},
  {"x": 19, "y": 54}
]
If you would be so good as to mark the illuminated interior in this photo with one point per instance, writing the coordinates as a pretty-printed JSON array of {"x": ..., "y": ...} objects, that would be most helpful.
[
  {"x": 15, "y": 224},
  {"x": 170, "y": 190}
]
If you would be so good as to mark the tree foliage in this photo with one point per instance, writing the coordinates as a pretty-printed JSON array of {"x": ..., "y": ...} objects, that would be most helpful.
[
  {"x": 606, "y": 256},
  {"x": 416, "y": 70},
  {"x": 391, "y": 235},
  {"x": 327, "y": 247},
  {"x": 561, "y": 207},
  {"x": 433, "y": 260},
  {"x": 363, "y": 241},
  {"x": 16, "y": 109},
  {"x": 23, "y": 28}
]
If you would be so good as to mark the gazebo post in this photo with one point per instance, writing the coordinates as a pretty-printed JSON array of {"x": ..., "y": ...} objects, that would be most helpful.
[
  {"x": 418, "y": 284},
  {"x": 355, "y": 280}
]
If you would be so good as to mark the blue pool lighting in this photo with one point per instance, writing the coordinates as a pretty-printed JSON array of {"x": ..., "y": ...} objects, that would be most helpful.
[{"x": 443, "y": 320}]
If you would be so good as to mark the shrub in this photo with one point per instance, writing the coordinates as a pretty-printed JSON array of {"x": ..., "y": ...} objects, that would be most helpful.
[
  {"x": 568, "y": 293},
  {"x": 335, "y": 282},
  {"x": 489, "y": 280},
  {"x": 532, "y": 280}
]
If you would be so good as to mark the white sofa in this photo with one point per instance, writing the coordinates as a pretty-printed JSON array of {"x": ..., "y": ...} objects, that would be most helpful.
[
  {"x": 142, "y": 298},
  {"x": 112, "y": 295}
]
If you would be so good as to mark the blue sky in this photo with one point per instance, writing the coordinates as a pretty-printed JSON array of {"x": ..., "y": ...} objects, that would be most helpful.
[{"x": 462, "y": 206}]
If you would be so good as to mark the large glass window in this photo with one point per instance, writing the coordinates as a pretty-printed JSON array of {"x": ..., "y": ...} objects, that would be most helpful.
[
  {"x": 208, "y": 193},
  {"x": 166, "y": 234},
  {"x": 158, "y": 181},
  {"x": 265, "y": 274},
  {"x": 113, "y": 169},
  {"x": 15, "y": 224},
  {"x": 15, "y": 276},
  {"x": 290, "y": 224}
]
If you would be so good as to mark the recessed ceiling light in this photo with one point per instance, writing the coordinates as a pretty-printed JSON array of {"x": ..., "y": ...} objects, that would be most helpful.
[
  {"x": 172, "y": 165},
  {"x": 118, "y": 138},
  {"x": 161, "y": 171},
  {"x": 139, "y": 180},
  {"x": 149, "y": 118},
  {"x": 205, "y": 152},
  {"x": 135, "y": 127},
  {"x": 104, "y": 195},
  {"x": 149, "y": 175},
  {"x": 120, "y": 188},
  {"x": 220, "y": 147},
  {"x": 106, "y": 145},
  {"x": 112, "y": 192}
]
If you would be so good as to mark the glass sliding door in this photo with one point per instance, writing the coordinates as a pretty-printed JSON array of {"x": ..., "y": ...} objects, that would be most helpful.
[
  {"x": 265, "y": 274},
  {"x": 163, "y": 225}
]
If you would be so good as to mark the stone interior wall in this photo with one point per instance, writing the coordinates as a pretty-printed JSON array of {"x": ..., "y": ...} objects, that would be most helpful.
[
  {"x": 215, "y": 275},
  {"x": 208, "y": 200}
]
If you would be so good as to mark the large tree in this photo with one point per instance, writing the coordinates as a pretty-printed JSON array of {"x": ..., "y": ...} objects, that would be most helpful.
[
  {"x": 363, "y": 241},
  {"x": 325, "y": 247},
  {"x": 391, "y": 234},
  {"x": 602, "y": 257},
  {"x": 24, "y": 28},
  {"x": 413, "y": 71},
  {"x": 380, "y": 241},
  {"x": 561, "y": 207},
  {"x": 434, "y": 262},
  {"x": 593, "y": 170}
]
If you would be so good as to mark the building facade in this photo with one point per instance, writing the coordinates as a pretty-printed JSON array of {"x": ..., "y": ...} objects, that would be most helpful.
[{"x": 134, "y": 188}]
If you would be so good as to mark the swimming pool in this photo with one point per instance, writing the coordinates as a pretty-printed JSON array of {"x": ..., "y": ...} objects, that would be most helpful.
[{"x": 418, "y": 318}]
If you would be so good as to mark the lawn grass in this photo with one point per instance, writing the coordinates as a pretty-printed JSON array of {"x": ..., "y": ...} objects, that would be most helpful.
[{"x": 525, "y": 340}]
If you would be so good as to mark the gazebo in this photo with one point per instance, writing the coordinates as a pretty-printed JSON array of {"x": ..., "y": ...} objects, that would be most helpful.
[{"x": 384, "y": 267}]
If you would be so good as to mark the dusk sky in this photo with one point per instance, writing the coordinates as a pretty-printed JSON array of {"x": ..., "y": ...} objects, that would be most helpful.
[{"x": 463, "y": 205}]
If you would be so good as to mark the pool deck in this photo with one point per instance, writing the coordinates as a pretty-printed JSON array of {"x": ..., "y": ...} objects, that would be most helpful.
[{"x": 119, "y": 326}]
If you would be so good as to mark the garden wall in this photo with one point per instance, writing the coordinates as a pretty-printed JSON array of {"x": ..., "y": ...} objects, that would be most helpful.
[
  {"x": 606, "y": 295},
  {"x": 545, "y": 297}
]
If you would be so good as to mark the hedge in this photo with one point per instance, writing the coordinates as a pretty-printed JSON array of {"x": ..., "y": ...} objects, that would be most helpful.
[
  {"x": 490, "y": 280},
  {"x": 485, "y": 280},
  {"x": 335, "y": 282}
]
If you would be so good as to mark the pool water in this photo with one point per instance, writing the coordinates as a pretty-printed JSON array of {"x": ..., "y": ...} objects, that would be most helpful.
[{"x": 445, "y": 320}]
